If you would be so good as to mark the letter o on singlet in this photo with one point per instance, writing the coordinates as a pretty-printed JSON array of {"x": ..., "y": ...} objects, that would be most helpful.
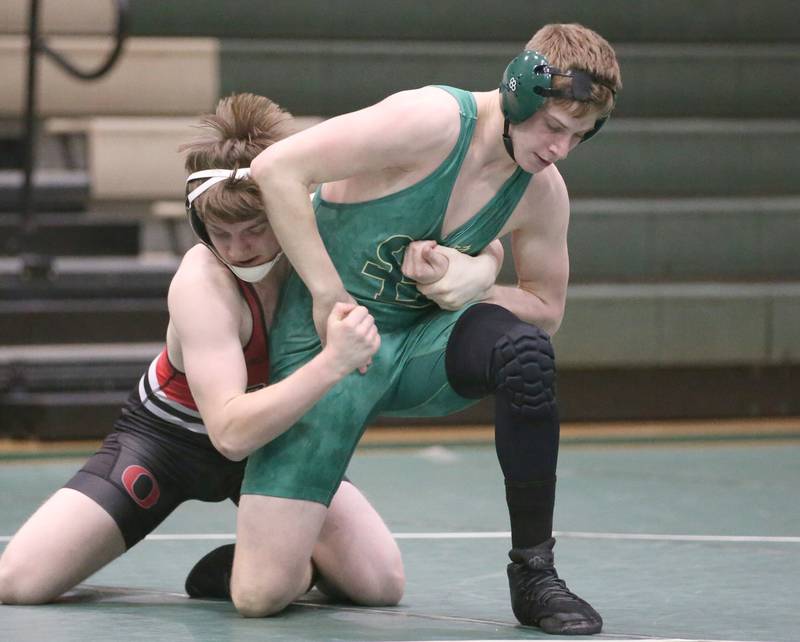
[{"x": 141, "y": 486}]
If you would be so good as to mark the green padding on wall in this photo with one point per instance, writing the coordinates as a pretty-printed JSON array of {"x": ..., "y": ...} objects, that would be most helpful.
[
  {"x": 628, "y": 240},
  {"x": 330, "y": 77},
  {"x": 691, "y": 324},
  {"x": 511, "y": 20},
  {"x": 785, "y": 343},
  {"x": 687, "y": 158},
  {"x": 318, "y": 77},
  {"x": 744, "y": 81}
]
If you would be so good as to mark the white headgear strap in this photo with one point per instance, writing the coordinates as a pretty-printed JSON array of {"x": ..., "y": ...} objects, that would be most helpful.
[
  {"x": 214, "y": 176},
  {"x": 250, "y": 274}
]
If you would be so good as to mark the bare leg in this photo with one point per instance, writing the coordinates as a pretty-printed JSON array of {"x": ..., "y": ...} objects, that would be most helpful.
[
  {"x": 64, "y": 542},
  {"x": 274, "y": 541},
  {"x": 356, "y": 554}
]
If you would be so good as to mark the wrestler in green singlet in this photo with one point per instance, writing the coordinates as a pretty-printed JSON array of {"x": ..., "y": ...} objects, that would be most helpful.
[{"x": 366, "y": 242}]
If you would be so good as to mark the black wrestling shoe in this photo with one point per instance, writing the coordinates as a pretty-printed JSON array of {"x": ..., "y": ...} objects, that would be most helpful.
[
  {"x": 540, "y": 598},
  {"x": 211, "y": 576}
]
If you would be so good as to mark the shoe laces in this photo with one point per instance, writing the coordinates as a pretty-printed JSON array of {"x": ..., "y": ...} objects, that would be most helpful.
[{"x": 547, "y": 586}]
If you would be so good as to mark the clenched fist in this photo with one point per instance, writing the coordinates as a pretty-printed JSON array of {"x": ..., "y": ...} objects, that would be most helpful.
[{"x": 352, "y": 337}]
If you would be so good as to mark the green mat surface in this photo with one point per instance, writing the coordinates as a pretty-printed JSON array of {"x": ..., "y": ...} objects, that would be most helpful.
[{"x": 694, "y": 542}]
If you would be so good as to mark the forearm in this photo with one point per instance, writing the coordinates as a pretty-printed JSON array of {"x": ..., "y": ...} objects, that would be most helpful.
[
  {"x": 251, "y": 420},
  {"x": 486, "y": 266},
  {"x": 528, "y": 306},
  {"x": 492, "y": 256}
]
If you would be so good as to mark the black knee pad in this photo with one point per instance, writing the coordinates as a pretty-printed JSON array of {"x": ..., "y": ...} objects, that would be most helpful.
[
  {"x": 524, "y": 369},
  {"x": 491, "y": 350},
  {"x": 468, "y": 359}
]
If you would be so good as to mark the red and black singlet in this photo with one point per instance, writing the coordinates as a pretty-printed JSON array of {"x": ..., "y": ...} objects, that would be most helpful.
[{"x": 164, "y": 390}]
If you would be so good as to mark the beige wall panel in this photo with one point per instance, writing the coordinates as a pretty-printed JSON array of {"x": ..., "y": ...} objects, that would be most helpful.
[
  {"x": 137, "y": 158},
  {"x": 60, "y": 16},
  {"x": 159, "y": 76}
]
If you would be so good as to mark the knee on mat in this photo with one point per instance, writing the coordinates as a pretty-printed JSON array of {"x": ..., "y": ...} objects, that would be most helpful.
[
  {"x": 380, "y": 583},
  {"x": 261, "y": 602},
  {"x": 269, "y": 597},
  {"x": 19, "y": 584},
  {"x": 388, "y": 579},
  {"x": 392, "y": 588},
  {"x": 394, "y": 580},
  {"x": 523, "y": 363},
  {"x": 385, "y": 586}
]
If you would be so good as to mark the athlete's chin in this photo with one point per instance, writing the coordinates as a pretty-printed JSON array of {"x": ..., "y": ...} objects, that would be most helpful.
[{"x": 533, "y": 163}]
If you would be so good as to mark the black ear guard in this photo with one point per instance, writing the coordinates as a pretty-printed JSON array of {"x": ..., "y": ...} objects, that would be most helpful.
[{"x": 197, "y": 225}]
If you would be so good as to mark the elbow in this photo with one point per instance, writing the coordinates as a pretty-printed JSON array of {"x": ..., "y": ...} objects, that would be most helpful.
[
  {"x": 227, "y": 444},
  {"x": 545, "y": 312},
  {"x": 233, "y": 452},
  {"x": 552, "y": 320},
  {"x": 272, "y": 169},
  {"x": 262, "y": 168},
  {"x": 546, "y": 316},
  {"x": 275, "y": 172},
  {"x": 551, "y": 316}
]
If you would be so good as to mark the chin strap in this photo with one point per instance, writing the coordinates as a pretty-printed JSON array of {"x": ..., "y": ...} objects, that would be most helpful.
[
  {"x": 251, "y": 274},
  {"x": 507, "y": 141}
]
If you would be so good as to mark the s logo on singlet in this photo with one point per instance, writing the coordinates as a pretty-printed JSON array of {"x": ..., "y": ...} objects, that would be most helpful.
[
  {"x": 392, "y": 285},
  {"x": 141, "y": 486}
]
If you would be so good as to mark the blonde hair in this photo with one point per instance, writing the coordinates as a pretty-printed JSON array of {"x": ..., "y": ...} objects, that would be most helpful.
[
  {"x": 573, "y": 46},
  {"x": 241, "y": 127}
]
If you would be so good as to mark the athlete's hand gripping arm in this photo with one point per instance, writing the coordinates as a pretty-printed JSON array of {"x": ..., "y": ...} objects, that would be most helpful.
[
  {"x": 394, "y": 136},
  {"x": 207, "y": 325},
  {"x": 450, "y": 278}
]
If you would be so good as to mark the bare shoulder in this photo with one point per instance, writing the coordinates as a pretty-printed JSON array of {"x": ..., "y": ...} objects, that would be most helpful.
[
  {"x": 548, "y": 186},
  {"x": 424, "y": 104},
  {"x": 407, "y": 130},
  {"x": 544, "y": 208},
  {"x": 547, "y": 196},
  {"x": 414, "y": 120},
  {"x": 427, "y": 117},
  {"x": 201, "y": 283}
]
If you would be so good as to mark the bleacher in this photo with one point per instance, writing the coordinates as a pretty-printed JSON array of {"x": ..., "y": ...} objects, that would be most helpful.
[{"x": 685, "y": 286}]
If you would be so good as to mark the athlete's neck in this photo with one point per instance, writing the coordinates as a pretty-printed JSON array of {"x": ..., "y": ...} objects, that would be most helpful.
[{"x": 488, "y": 133}]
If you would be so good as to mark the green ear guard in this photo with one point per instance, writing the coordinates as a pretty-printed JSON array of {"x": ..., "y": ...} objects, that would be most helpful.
[{"x": 527, "y": 83}]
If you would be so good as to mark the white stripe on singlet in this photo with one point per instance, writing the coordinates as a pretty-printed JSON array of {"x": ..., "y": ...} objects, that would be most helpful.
[{"x": 165, "y": 405}]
